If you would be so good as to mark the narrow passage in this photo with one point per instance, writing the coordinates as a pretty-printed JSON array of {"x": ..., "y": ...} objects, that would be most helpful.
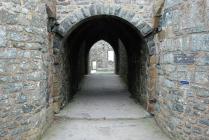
[{"x": 103, "y": 110}]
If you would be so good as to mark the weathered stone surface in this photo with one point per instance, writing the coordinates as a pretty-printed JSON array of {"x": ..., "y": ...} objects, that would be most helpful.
[
  {"x": 204, "y": 122},
  {"x": 184, "y": 59},
  {"x": 202, "y": 92},
  {"x": 27, "y": 108},
  {"x": 151, "y": 47},
  {"x": 3, "y": 133},
  {"x": 3, "y": 40},
  {"x": 93, "y": 10},
  {"x": 183, "y": 46},
  {"x": 23, "y": 46},
  {"x": 178, "y": 107},
  {"x": 8, "y": 53},
  {"x": 146, "y": 30},
  {"x": 86, "y": 12},
  {"x": 200, "y": 107},
  {"x": 180, "y": 87},
  {"x": 158, "y": 6},
  {"x": 7, "y": 17},
  {"x": 22, "y": 99}
]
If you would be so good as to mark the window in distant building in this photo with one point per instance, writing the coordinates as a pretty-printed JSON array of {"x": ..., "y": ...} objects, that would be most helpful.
[{"x": 110, "y": 55}]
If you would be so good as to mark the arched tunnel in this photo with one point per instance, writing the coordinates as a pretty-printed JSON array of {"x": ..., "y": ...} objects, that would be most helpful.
[
  {"x": 104, "y": 104},
  {"x": 130, "y": 49}
]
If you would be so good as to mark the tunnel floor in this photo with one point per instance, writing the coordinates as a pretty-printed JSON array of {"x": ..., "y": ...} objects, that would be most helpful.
[{"x": 101, "y": 110}]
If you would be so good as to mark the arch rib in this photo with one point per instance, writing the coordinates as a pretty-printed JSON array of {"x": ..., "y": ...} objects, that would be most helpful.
[{"x": 77, "y": 16}]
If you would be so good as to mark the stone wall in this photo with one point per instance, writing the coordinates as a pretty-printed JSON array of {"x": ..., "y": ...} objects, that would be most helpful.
[
  {"x": 24, "y": 70},
  {"x": 141, "y": 7},
  {"x": 182, "y": 62},
  {"x": 182, "y": 109},
  {"x": 99, "y": 53},
  {"x": 123, "y": 62}
]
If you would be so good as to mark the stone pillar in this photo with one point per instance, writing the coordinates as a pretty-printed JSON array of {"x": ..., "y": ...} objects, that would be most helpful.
[
  {"x": 24, "y": 69},
  {"x": 182, "y": 109}
]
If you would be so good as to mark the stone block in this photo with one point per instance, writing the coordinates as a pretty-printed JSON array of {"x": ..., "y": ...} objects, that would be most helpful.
[
  {"x": 199, "y": 42},
  {"x": 122, "y": 1},
  {"x": 56, "y": 89},
  {"x": 153, "y": 59},
  {"x": 14, "y": 87},
  {"x": 80, "y": 2},
  {"x": 66, "y": 25},
  {"x": 153, "y": 71},
  {"x": 3, "y": 133},
  {"x": 197, "y": 130},
  {"x": 206, "y": 101},
  {"x": 8, "y": 53},
  {"x": 150, "y": 45},
  {"x": 203, "y": 59},
  {"x": 7, "y": 17},
  {"x": 79, "y": 15},
  {"x": 86, "y": 12},
  {"x": 202, "y": 93},
  {"x": 200, "y": 107},
  {"x": 201, "y": 77},
  {"x": 172, "y": 3},
  {"x": 56, "y": 107},
  {"x": 167, "y": 58},
  {"x": 3, "y": 39},
  {"x": 146, "y": 30},
  {"x": 184, "y": 59},
  {"x": 36, "y": 76},
  {"x": 27, "y": 108},
  {"x": 204, "y": 122},
  {"x": 22, "y": 99},
  {"x": 169, "y": 83},
  {"x": 169, "y": 68},
  {"x": 178, "y": 107},
  {"x": 99, "y": 9},
  {"x": 93, "y": 10}
]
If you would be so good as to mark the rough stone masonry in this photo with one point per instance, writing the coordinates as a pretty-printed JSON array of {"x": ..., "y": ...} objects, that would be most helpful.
[{"x": 177, "y": 72}]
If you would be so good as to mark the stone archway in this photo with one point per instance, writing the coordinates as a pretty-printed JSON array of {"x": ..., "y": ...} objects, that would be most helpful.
[{"x": 78, "y": 17}]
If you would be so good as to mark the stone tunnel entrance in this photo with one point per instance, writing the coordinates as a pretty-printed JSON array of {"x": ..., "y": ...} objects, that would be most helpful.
[
  {"x": 103, "y": 97},
  {"x": 132, "y": 55}
]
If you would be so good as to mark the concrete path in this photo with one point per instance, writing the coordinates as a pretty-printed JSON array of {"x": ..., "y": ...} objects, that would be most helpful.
[{"x": 103, "y": 110}]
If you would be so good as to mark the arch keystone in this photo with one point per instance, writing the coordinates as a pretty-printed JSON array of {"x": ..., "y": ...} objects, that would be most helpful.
[{"x": 106, "y": 9}]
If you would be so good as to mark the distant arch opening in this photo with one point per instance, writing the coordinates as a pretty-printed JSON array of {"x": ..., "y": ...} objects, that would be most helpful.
[{"x": 101, "y": 58}]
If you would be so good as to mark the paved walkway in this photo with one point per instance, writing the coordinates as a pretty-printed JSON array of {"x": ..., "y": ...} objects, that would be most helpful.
[{"x": 103, "y": 110}]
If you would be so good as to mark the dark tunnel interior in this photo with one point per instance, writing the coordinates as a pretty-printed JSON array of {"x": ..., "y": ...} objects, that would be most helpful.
[{"x": 130, "y": 51}]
